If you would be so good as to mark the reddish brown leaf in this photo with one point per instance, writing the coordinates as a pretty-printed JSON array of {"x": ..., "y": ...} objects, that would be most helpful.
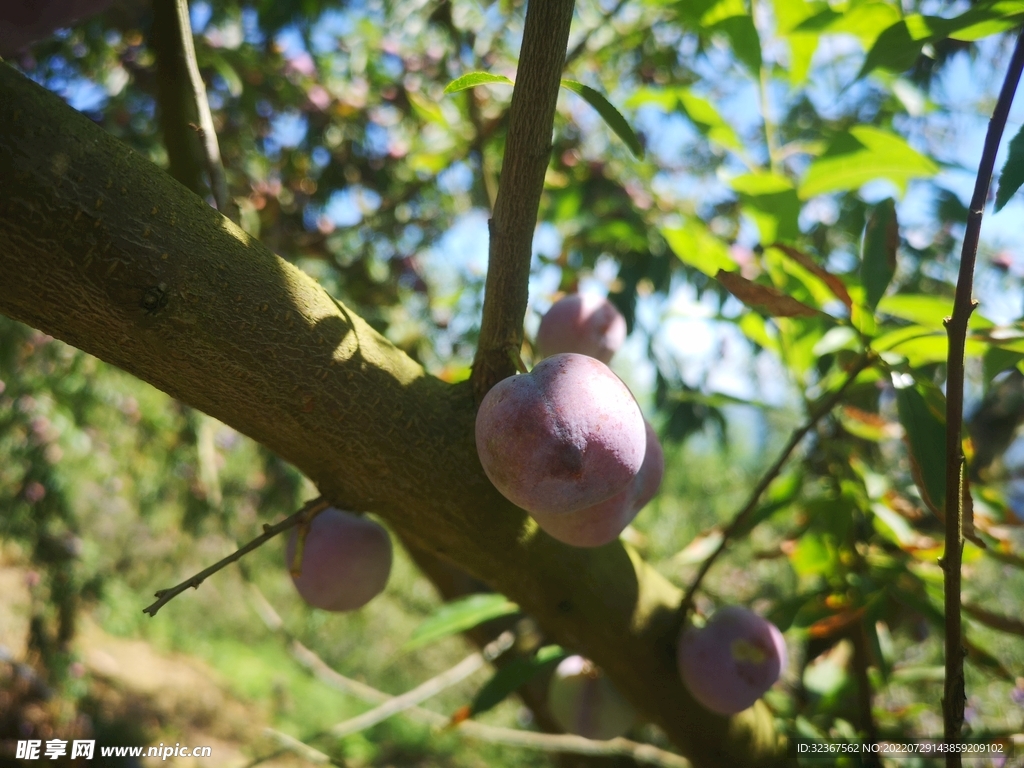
[
  {"x": 835, "y": 624},
  {"x": 834, "y": 283},
  {"x": 764, "y": 297}
]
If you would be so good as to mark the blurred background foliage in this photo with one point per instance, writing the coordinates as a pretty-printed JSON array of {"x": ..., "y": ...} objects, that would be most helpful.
[{"x": 824, "y": 150}]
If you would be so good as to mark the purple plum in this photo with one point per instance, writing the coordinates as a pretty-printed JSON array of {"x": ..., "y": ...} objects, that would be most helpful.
[
  {"x": 582, "y": 323},
  {"x": 566, "y": 436},
  {"x": 602, "y": 523},
  {"x": 583, "y": 701},
  {"x": 346, "y": 560},
  {"x": 731, "y": 661}
]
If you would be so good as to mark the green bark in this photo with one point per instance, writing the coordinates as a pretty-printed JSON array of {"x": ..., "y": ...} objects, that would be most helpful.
[{"x": 100, "y": 248}]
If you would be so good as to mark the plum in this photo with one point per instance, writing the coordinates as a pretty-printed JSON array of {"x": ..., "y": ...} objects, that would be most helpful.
[
  {"x": 346, "y": 560},
  {"x": 583, "y": 323},
  {"x": 602, "y": 523},
  {"x": 731, "y": 661},
  {"x": 565, "y": 436},
  {"x": 583, "y": 701}
]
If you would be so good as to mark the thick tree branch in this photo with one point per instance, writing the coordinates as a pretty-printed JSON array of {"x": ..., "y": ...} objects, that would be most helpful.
[
  {"x": 100, "y": 248},
  {"x": 527, "y": 153},
  {"x": 953, "y": 696}
]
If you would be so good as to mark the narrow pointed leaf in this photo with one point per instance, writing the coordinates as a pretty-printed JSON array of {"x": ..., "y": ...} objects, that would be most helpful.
[
  {"x": 1012, "y": 175},
  {"x": 925, "y": 435},
  {"x": 611, "y": 115},
  {"x": 770, "y": 300},
  {"x": 837, "y": 286},
  {"x": 473, "y": 79},
  {"x": 513, "y": 676},
  {"x": 878, "y": 261},
  {"x": 458, "y": 616}
]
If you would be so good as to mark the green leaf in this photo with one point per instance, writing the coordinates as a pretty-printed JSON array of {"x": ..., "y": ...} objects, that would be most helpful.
[
  {"x": 1012, "y": 175},
  {"x": 611, "y": 115},
  {"x": 926, "y": 439},
  {"x": 896, "y": 49},
  {"x": 694, "y": 244},
  {"x": 987, "y": 18},
  {"x": 473, "y": 79},
  {"x": 862, "y": 155},
  {"x": 878, "y": 260},
  {"x": 707, "y": 120},
  {"x": 744, "y": 40},
  {"x": 866, "y": 21},
  {"x": 513, "y": 676},
  {"x": 771, "y": 200},
  {"x": 929, "y": 311},
  {"x": 789, "y": 14},
  {"x": 460, "y": 615}
]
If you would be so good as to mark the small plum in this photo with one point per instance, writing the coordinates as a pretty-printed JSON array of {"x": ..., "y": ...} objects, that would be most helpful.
[
  {"x": 583, "y": 701},
  {"x": 346, "y": 560},
  {"x": 602, "y": 523},
  {"x": 583, "y": 323},
  {"x": 731, "y": 661},
  {"x": 565, "y": 436}
]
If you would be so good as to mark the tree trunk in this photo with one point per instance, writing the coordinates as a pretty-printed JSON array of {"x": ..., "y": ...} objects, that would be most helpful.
[{"x": 100, "y": 248}]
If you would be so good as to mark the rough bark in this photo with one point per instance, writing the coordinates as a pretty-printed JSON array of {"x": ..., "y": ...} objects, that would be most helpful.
[
  {"x": 527, "y": 155},
  {"x": 100, "y": 248}
]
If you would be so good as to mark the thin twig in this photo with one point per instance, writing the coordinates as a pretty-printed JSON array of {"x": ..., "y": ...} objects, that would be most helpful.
[
  {"x": 954, "y": 695},
  {"x": 545, "y": 742},
  {"x": 300, "y": 748},
  {"x": 309, "y": 509},
  {"x": 824, "y": 407},
  {"x": 207, "y": 134},
  {"x": 527, "y": 155},
  {"x": 468, "y": 666}
]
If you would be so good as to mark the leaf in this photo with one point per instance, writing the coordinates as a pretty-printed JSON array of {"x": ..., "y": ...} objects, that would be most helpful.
[
  {"x": 929, "y": 311},
  {"x": 694, "y": 244},
  {"x": 898, "y": 47},
  {"x": 744, "y": 40},
  {"x": 837, "y": 286},
  {"x": 706, "y": 118},
  {"x": 986, "y": 18},
  {"x": 764, "y": 297},
  {"x": 878, "y": 259},
  {"x": 460, "y": 615},
  {"x": 925, "y": 435},
  {"x": 513, "y": 676},
  {"x": 862, "y": 155},
  {"x": 775, "y": 204},
  {"x": 611, "y": 115},
  {"x": 473, "y": 79},
  {"x": 1012, "y": 175}
]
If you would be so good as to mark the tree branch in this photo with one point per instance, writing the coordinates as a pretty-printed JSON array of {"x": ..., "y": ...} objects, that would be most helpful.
[
  {"x": 546, "y": 742},
  {"x": 101, "y": 249},
  {"x": 824, "y": 407},
  {"x": 527, "y": 153},
  {"x": 308, "y": 511},
  {"x": 953, "y": 696},
  {"x": 183, "y": 93}
]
